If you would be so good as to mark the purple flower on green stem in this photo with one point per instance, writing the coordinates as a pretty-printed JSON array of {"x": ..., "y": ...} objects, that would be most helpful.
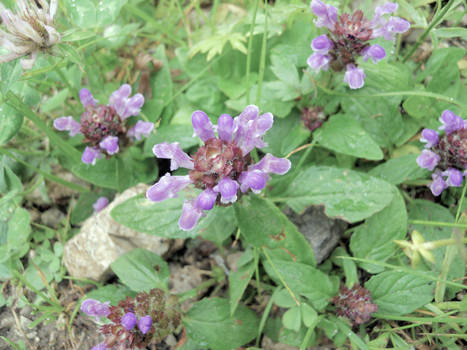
[
  {"x": 222, "y": 168},
  {"x": 446, "y": 154},
  {"x": 349, "y": 38},
  {"x": 95, "y": 308},
  {"x": 104, "y": 127}
]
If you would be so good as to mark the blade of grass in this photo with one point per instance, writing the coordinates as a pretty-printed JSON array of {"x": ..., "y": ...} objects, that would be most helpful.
[{"x": 250, "y": 49}]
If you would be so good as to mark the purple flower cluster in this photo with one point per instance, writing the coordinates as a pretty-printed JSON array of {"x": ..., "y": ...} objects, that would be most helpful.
[
  {"x": 445, "y": 155},
  {"x": 348, "y": 39},
  {"x": 95, "y": 308},
  {"x": 104, "y": 126},
  {"x": 222, "y": 168}
]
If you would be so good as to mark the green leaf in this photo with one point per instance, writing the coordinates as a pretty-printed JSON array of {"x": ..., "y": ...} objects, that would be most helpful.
[
  {"x": 292, "y": 319},
  {"x": 309, "y": 315},
  {"x": 141, "y": 270},
  {"x": 304, "y": 280},
  {"x": 217, "y": 225},
  {"x": 111, "y": 292},
  {"x": 210, "y": 324},
  {"x": 398, "y": 293},
  {"x": 238, "y": 281},
  {"x": 54, "y": 102},
  {"x": 374, "y": 239},
  {"x": 400, "y": 169},
  {"x": 452, "y": 32},
  {"x": 347, "y": 194},
  {"x": 82, "y": 12},
  {"x": 154, "y": 218},
  {"x": 19, "y": 230},
  {"x": 10, "y": 123},
  {"x": 262, "y": 224},
  {"x": 345, "y": 135},
  {"x": 10, "y": 74},
  {"x": 108, "y": 10}
]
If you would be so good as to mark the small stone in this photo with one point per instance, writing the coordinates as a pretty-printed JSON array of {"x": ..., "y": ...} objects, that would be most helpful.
[
  {"x": 321, "y": 232},
  {"x": 102, "y": 240},
  {"x": 52, "y": 217}
]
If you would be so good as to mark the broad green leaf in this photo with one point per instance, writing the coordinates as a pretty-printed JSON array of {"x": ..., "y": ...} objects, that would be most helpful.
[
  {"x": 345, "y": 135},
  {"x": 262, "y": 224},
  {"x": 398, "y": 293},
  {"x": 238, "y": 281},
  {"x": 309, "y": 315},
  {"x": 110, "y": 292},
  {"x": 304, "y": 280},
  {"x": 10, "y": 123},
  {"x": 292, "y": 319},
  {"x": 346, "y": 194},
  {"x": 82, "y": 12},
  {"x": 141, "y": 270},
  {"x": 217, "y": 225},
  {"x": 19, "y": 230},
  {"x": 55, "y": 101},
  {"x": 398, "y": 170},
  {"x": 10, "y": 74},
  {"x": 108, "y": 10},
  {"x": 452, "y": 32},
  {"x": 287, "y": 73},
  {"x": 9, "y": 181},
  {"x": 374, "y": 240},
  {"x": 210, "y": 324},
  {"x": 154, "y": 218}
]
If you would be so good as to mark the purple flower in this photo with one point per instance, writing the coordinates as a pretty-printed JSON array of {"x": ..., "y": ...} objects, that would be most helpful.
[
  {"x": 327, "y": 14},
  {"x": 141, "y": 128},
  {"x": 222, "y": 166},
  {"x": 375, "y": 52},
  {"x": 128, "y": 321},
  {"x": 318, "y": 61},
  {"x": 428, "y": 159},
  {"x": 68, "y": 124},
  {"x": 100, "y": 204},
  {"x": 103, "y": 126},
  {"x": 95, "y": 308},
  {"x": 145, "y": 324},
  {"x": 450, "y": 121},
  {"x": 100, "y": 346},
  {"x": 109, "y": 144},
  {"x": 321, "y": 44},
  {"x": 454, "y": 177},
  {"x": 354, "y": 76},
  {"x": 438, "y": 185},
  {"x": 430, "y": 137},
  {"x": 394, "y": 25}
]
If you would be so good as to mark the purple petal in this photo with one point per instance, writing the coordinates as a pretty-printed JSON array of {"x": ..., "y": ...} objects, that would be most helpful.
[
  {"x": 225, "y": 127},
  {"x": 190, "y": 216},
  {"x": 249, "y": 132},
  {"x": 141, "y": 128},
  {"x": 100, "y": 346},
  {"x": 322, "y": 44},
  {"x": 123, "y": 105},
  {"x": 110, "y": 144},
  {"x": 228, "y": 189},
  {"x": 202, "y": 125},
  {"x": 95, "y": 308},
  {"x": 450, "y": 121},
  {"x": 256, "y": 180},
  {"x": 327, "y": 14},
  {"x": 270, "y": 164},
  {"x": 438, "y": 185},
  {"x": 67, "y": 124},
  {"x": 354, "y": 76},
  {"x": 249, "y": 113},
  {"x": 100, "y": 204},
  {"x": 430, "y": 137},
  {"x": 90, "y": 155},
  {"x": 392, "y": 26},
  {"x": 173, "y": 152},
  {"x": 167, "y": 187},
  {"x": 128, "y": 321},
  {"x": 145, "y": 324},
  {"x": 207, "y": 199},
  {"x": 375, "y": 52},
  {"x": 86, "y": 98},
  {"x": 428, "y": 160},
  {"x": 454, "y": 177},
  {"x": 318, "y": 61}
]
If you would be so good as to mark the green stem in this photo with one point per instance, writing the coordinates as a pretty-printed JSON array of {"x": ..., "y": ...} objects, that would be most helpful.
[
  {"x": 262, "y": 63},
  {"x": 250, "y": 49},
  {"x": 264, "y": 318},
  {"x": 256, "y": 258},
  {"x": 461, "y": 202},
  {"x": 436, "y": 20},
  {"x": 437, "y": 223},
  {"x": 192, "y": 293}
]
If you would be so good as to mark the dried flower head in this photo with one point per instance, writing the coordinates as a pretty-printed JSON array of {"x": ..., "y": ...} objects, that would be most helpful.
[
  {"x": 104, "y": 126},
  {"x": 222, "y": 168},
  {"x": 138, "y": 322},
  {"x": 28, "y": 31},
  {"x": 313, "y": 117},
  {"x": 355, "y": 303},
  {"x": 445, "y": 155},
  {"x": 348, "y": 39}
]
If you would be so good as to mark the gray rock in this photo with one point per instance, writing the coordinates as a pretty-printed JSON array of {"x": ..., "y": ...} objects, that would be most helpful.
[
  {"x": 102, "y": 240},
  {"x": 52, "y": 217},
  {"x": 321, "y": 232}
]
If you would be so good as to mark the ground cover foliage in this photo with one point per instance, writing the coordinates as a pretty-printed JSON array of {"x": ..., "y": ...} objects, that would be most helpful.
[{"x": 354, "y": 128}]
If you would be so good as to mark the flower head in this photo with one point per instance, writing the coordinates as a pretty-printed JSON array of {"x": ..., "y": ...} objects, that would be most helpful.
[
  {"x": 222, "y": 168},
  {"x": 445, "y": 154},
  {"x": 29, "y": 30},
  {"x": 104, "y": 127},
  {"x": 355, "y": 303},
  {"x": 349, "y": 38}
]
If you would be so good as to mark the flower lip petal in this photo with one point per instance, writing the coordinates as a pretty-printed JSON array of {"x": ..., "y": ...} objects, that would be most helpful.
[
  {"x": 173, "y": 152},
  {"x": 128, "y": 321},
  {"x": 327, "y": 14},
  {"x": 145, "y": 324},
  {"x": 90, "y": 155},
  {"x": 100, "y": 204},
  {"x": 228, "y": 189},
  {"x": 354, "y": 76},
  {"x": 141, "y": 128},
  {"x": 207, "y": 199},
  {"x": 375, "y": 52},
  {"x": 225, "y": 127},
  {"x": 322, "y": 44},
  {"x": 318, "y": 61},
  {"x": 86, "y": 98},
  {"x": 255, "y": 179},
  {"x": 451, "y": 122},
  {"x": 270, "y": 164},
  {"x": 190, "y": 216},
  {"x": 110, "y": 144},
  {"x": 438, "y": 185},
  {"x": 167, "y": 187},
  {"x": 430, "y": 137},
  {"x": 67, "y": 124},
  {"x": 428, "y": 160},
  {"x": 202, "y": 125}
]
